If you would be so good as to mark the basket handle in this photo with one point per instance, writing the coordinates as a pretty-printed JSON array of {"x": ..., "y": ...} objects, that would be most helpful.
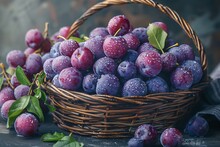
[{"x": 166, "y": 10}]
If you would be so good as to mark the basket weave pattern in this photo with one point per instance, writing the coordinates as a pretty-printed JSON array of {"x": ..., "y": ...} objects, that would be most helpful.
[{"x": 104, "y": 116}]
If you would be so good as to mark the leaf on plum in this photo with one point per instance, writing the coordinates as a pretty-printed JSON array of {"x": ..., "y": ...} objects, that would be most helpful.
[
  {"x": 156, "y": 36},
  {"x": 78, "y": 40},
  {"x": 22, "y": 78},
  {"x": 41, "y": 78},
  {"x": 34, "y": 107},
  {"x": 16, "y": 109}
]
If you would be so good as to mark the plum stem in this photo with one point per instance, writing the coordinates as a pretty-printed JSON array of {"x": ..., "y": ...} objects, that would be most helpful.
[
  {"x": 117, "y": 32},
  {"x": 176, "y": 44},
  {"x": 46, "y": 30},
  {"x": 2, "y": 66},
  {"x": 84, "y": 37},
  {"x": 59, "y": 36}
]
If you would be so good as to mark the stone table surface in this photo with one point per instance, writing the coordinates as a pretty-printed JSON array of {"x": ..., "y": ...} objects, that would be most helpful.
[{"x": 8, "y": 138}]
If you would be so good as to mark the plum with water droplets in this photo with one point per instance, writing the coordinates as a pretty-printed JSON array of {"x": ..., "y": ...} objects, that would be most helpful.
[
  {"x": 115, "y": 47},
  {"x": 169, "y": 62},
  {"x": 145, "y": 47},
  {"x": 21, "y": 90},
  {"x": 118, "y": 23},
  {"x": 99, "y": 31},
  {"x": 127, "y": 70},
  {"x": 108, "y": 84},
  {"x": 45, "y": 57},
  {"x": 130, "y": 56},
  {"x": 82, "y": 58},
  {"x": 55, "y": 81},
  {"x": 48, "y": 70},
  {"x": 188, "y": 52},
  {"x": 195, "y": 68},
  {"x": 33, "y": 64},
  {"x": 95, "y": 45},
  {"x": 171, "y": 137},
  {"x": 70, "y": 78},
  {"x": 104, "y": 65},
  {"x": 6, "y": 94},
  {"x": 149, "y": 63},
  {"x": 5, "y": 108},
  {"x": 157, "y": 85},
  {"x": 134, "y": 87},
  {"x": 26, "y": 125},
  {"x": 55, "y": 51},
  {"x": 141, "y": 33},
  {"x": 181, "y": 78},
  {"x": 15, "y": 58},
  {"x": 132, "y": 41},
  {"x": 147, "y": 133},
  {"x": 179, "y": 53},
  {"x": 60, "y": 63},
  {"x": 89, "y": 83},
  {"x": 34, "y": 38},
  {"x": 67, "y": 47}
]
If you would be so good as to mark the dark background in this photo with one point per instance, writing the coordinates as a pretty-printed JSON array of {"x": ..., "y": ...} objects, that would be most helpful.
[{"x": 18, "y": 16}]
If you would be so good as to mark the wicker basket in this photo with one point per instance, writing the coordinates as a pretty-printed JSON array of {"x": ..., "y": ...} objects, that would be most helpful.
[{"x": 105, "y": 116}]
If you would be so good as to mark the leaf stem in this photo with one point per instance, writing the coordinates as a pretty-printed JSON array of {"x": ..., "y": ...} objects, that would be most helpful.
[{"x": 2, "y": 66}]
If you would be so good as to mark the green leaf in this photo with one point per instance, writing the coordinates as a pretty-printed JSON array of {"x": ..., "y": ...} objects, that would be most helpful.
[
  {"x": 68, "y": 138},
  {"x": 50, "y": 107},
  {"x": 22, "y": 78},
  {"x": 10, "y": 70},
  {"x": 40, "y": 94},
  {"x": 1, "y": 82},
  {"x": 78, "y": 40},
  {"x": 37, "y": 93},
  {"x": 156, "y": 37},
  {"x": 16, "y": 109},
  {"x": 68, "y": 141},
  {"x": 34, "y": 107},
  {"x": 41, "y": 78},
  {"x": 43, "y": 96},
  {"x": 52, "y": 137},
  {"x": 61, "y": 143}
]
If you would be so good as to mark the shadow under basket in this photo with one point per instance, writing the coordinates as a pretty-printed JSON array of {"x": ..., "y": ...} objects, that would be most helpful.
[{"x": 104, "y": 116}]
